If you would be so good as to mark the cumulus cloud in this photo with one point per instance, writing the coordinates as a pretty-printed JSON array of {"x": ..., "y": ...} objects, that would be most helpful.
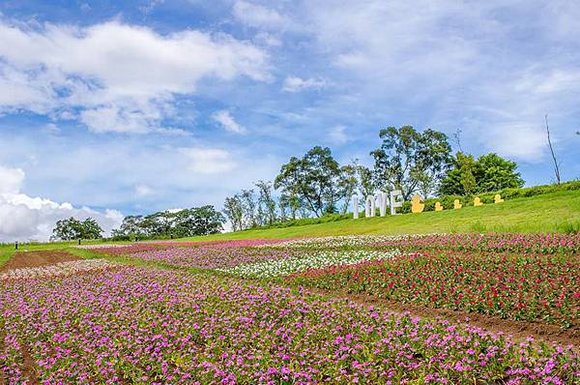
[
  {"x": 122, "y": 78},
  {"x": 23, "y": 217},
  {"x": 297, "y": 84},
  {"x": 209, "y": 160},
  {"x": 256, "y": 15}
]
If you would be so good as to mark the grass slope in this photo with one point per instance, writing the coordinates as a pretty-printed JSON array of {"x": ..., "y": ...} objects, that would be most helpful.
[{"x": 556, "y": 212}]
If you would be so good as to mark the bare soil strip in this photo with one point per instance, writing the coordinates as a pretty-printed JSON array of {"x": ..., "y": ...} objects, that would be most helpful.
[
  {"x": 29, "y": 368},
  {"x": 519, "y": 330},
  {"x": 27, "y": 259}
]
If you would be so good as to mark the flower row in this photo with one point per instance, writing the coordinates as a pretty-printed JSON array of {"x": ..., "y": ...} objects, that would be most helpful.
[
  {"x": 58, "y": 269},
  {"x": 527, "y": 243},
  {"x": 313, "y": 260}
]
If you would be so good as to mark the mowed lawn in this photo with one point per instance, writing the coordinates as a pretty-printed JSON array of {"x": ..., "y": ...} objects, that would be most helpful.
[{"x": 556, "y": 212}]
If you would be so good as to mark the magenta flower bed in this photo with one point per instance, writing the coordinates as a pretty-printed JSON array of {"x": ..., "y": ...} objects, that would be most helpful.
[
  {"x": 145, "y": 326},
  {"x": 222, "y": 244},
  {"x": 214, "y": 256},
  {"x": 520, "y": 243}
]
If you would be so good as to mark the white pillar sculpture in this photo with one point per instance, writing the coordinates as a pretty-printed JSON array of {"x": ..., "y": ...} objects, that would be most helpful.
[
  {"x": 370, "y": 206},
  {"x": 355, "y": 207},
  {"x": 396, "y": 201},
  {"x": 382, "y": 199}
]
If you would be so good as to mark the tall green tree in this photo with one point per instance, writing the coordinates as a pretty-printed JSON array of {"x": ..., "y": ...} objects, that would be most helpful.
[
  {"x": 411, "y": 161},
  {"x": 131, "y": 228},
  {"x": 266, "y": 202},
  {"x": 195, "y": 221},
  {"x": 357, "y": 179},
  {"x": 71, "y": 228},
  {"x": 315, "y": 179},
  {"x": 234, "y": 211}
]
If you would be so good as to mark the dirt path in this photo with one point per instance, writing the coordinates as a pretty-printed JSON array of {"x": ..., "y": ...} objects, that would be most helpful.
[
  {"x": 26, "y": 259},
  {"x": 518, "y": 329}
]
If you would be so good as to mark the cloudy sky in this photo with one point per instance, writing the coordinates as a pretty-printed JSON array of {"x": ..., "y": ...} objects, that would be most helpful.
[{"x": 110, "y": 108}]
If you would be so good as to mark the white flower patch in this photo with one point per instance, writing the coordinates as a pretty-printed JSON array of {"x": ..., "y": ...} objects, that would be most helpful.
[
  {"x": 104, "y": 246},
  {"x": 316, "y": 260},
  {"x": 58, "y": 269},
  {"x": 341, "y": 241}
]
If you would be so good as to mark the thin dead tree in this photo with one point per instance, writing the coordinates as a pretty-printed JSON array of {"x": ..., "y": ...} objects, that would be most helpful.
[{"x": 556, "y": 165}]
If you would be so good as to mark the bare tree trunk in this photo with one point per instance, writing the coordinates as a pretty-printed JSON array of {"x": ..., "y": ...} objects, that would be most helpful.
[{"x": 556, "y": 166}]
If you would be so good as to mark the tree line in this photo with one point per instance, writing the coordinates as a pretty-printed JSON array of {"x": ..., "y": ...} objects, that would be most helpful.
[
  {"x": 408, "y": 160},
  {"x": 163, "y": 224}
]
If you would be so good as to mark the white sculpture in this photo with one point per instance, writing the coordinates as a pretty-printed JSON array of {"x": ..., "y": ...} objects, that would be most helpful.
[
  {"x": 383, "y": 201},
  {"x": 396, "y": 201},
  {"x": 370, "y": 207}
]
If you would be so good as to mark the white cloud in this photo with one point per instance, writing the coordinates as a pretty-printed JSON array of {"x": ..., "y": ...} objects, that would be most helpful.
[
  {"x": 123, "y": 78},
  {"x": 297, "y": 84},
  {"x": 256, "y": 15},
  {"x": 227, "y": 121},
  {"x": 209, "y": 160},
  {"x": 11, "y": 180},
  {"x": 142, "y": 190},
  {"x": 23, "y": 217},
  {"x": 519, "y": 140},
  {"x": 338, "y": 135}
]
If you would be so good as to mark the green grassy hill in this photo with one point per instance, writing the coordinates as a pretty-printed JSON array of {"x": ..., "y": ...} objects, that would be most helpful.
[{"x": 554, "y": 212}]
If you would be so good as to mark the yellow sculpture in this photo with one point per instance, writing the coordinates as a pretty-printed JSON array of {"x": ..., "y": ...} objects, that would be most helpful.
[
  {"x": 477, "y": 202},
  {"x": 438, "y": 207},
  {"x": 416, "y": 205},
  {"x": 456, "y": 204},
  {"x": 497, "y": 198}
]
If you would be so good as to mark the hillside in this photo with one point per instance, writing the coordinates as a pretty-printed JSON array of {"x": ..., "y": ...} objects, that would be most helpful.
[{"x": 554, "y": 212}]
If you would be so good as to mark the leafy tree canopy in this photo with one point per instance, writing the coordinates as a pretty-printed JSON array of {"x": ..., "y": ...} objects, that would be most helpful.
[
  {"x": 315, "y": 179},
  {"x": 71, "y": 228},
  {"x": 489, "y": 172},
  {"x": 172, "y": 224},
  {"x": 411, "y": 161}
]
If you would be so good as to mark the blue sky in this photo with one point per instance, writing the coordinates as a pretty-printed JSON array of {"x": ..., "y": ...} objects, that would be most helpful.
[{"x": 110, "y": 108}]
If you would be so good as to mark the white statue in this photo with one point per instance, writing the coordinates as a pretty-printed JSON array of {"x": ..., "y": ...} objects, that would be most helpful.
[
  {"x": 370, "y": 206},
  {"x": 396, "y": 201},
  {"x": 382, "y": 198},
  {"x": 355, "y": 207}
]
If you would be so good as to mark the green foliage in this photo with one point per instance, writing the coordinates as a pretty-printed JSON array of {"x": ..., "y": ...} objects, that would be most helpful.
[
  {"x": 316, "y": 179},
  {"x": 310, "y": 221},
  {"x": 411, "y": 161},
  {"x": 166, "y": 224},
  {"x": 488, "y": 173},
  {"x": 71, "y": 228}
]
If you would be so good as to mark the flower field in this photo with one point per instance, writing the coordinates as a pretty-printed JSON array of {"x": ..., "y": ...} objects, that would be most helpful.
[
  {"x": 149, "y": 326},
  {"x": 96, "y": 322}
]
